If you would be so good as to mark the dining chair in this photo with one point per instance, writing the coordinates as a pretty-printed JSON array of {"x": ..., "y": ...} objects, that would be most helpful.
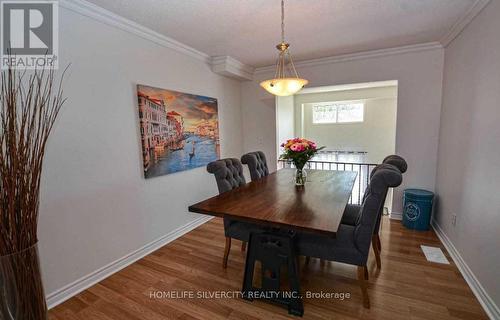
[
  {"x": 228, "y": 174},
  {"x": 352, "y": 211},
  {"x": 257, "y": 164},
  {"x": 400, "y": 163},
  {"x": 352, "y": 242}
]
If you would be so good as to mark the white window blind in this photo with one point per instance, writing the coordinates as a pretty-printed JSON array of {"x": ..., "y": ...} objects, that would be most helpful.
[{"x": 338, "y": 112}]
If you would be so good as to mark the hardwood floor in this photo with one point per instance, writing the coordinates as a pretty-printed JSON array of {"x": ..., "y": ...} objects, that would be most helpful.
[{"x": 406, "y": 287}]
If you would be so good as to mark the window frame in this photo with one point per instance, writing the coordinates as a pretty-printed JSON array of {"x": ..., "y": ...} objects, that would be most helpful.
[{"x": 362, "y": 102}]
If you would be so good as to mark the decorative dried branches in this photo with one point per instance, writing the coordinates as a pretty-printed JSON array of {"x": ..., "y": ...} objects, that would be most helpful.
[{"x": 29, "y": 105}]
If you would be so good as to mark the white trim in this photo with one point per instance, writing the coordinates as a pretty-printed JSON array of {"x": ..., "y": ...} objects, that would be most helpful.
[
  {"x": 72, "y": 289},
  {"x": 353, "y": 86},
  {"x": 105, "y": 16},
  {"x": 482, "y": 296},
  {"x": 102, "y": 15},
  {"x": 230, "y": 67},
  {"x": 396, "y": 215},
  {"x": 359, "y": 56},
  {"x": 463, "y": 22}
]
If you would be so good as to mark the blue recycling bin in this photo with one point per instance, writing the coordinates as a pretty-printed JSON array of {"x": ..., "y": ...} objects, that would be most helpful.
[{"x": 417, "y": 208}]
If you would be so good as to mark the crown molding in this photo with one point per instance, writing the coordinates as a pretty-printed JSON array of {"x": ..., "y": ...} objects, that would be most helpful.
[
  {"x": 102, "y": 15},
  {"x": 230, "y": 67},
  {"x": 360, "y": 55},
  {"x": 354, "y": 86},
  {"x": 463, "y": 22}
]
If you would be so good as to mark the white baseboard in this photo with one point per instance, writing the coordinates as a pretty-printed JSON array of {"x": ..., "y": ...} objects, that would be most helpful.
[
  {"x": 396, "y": 215},
  {"x": 72, "y": 289},
  {"x": 484, "y": 299}
]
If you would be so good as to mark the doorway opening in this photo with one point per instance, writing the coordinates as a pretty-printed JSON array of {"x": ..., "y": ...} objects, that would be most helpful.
[{"x": 356, "y": 123}]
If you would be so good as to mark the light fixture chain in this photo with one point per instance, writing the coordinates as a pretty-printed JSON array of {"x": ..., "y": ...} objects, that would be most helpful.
[
  {"x": 277, "y": 67},
  {"x": 282, "y": 21},
  {"x": 293, "y": 66},
  {"x": 281, "y": 85}
]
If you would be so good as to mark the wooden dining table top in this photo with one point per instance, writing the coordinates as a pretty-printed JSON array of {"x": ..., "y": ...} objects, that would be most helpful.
[{"x": 274, "y": 200}]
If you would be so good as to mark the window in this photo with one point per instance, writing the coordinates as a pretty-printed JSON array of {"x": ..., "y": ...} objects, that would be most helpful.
[
  {"x": 325, "y": 114},
  {"x": 338, "y": 112}
]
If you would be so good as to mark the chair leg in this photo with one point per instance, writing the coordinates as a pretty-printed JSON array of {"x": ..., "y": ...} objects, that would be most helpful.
[
  {"x": 226, "y": 252},
  {"x": 376, "y": 251},
  {"x": 378, "y": 242},
  {"x": 243, "y": 245},
  {"x": 308, "y": 259},
  {"x": 362, "y": 283}
]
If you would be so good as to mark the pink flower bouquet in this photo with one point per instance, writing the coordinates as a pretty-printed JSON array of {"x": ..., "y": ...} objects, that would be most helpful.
[{"x": 299, "y": 151}]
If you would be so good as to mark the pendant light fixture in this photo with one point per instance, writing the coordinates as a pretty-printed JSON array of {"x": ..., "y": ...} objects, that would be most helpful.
[{"x": 284, "y": 83}]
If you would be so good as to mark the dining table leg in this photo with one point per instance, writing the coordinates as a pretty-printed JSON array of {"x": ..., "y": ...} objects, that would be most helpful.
[{"x": 274, "y": 250}]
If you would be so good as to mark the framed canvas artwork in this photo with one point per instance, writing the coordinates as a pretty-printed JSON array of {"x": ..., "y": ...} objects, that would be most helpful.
[{"x": 179, "y": 131}]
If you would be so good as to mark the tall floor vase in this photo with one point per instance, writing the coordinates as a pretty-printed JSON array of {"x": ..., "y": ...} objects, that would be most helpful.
[{"x": 21, "y": 290}]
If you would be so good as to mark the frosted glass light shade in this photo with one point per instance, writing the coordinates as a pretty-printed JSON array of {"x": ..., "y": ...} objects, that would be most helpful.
[{"x": 284, "y": 86}]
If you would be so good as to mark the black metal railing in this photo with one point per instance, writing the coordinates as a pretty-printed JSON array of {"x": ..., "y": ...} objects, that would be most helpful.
[{"x": 363, "y": 171}]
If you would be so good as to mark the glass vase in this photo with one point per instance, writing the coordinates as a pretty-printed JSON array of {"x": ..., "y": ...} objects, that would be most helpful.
[
  {"x": 21, "y": 291},
  {"x": 300, "y": 177}
]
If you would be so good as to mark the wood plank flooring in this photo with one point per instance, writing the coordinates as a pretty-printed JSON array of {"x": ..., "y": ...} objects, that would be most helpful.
[{"x": 406, "y": 287}]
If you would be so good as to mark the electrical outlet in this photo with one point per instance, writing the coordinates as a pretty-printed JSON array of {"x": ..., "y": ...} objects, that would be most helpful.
[{"x": 453, "y": 219}]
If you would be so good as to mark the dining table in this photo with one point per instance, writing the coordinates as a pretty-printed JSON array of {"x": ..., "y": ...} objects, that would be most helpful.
[{"x": 282, "y": 211}]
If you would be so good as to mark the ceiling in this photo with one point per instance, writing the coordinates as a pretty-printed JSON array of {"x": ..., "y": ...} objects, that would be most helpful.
[{"x": 248, "y": 30}]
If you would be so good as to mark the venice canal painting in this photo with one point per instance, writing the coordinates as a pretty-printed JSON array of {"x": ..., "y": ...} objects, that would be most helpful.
[{"x": 179, "y": 131}]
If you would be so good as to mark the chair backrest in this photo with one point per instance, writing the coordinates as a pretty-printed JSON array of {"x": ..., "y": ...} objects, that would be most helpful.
[
  {"x": 374, "y": 170},
  {"x": 386, "y": 176},
  {"x": 402, "y": 166},
  {"x": 397, "y": 161},
  {"x": 257, "y": 164},
  {"x": 228, "y": 173}
]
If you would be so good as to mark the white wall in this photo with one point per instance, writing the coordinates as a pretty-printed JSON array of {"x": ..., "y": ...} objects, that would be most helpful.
[
  {"x": 96, "y": 206},
  {"x": 376, "y": 135},
  {"x": 468, "y": 175},
  {"x": 419, "y": 104},
  {"x": 285, "y": 115}
]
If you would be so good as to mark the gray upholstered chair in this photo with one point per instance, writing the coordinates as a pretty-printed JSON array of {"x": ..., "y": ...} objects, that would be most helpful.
[
  {"x": 229, "y": 175},
  {"x": 352, "y": 211},
  {"x": 400, "y": 163},
  {"x": 397, "y": 161},
  {"x": 352, "y": 242},
  {"x": 256, "y": 162}
]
